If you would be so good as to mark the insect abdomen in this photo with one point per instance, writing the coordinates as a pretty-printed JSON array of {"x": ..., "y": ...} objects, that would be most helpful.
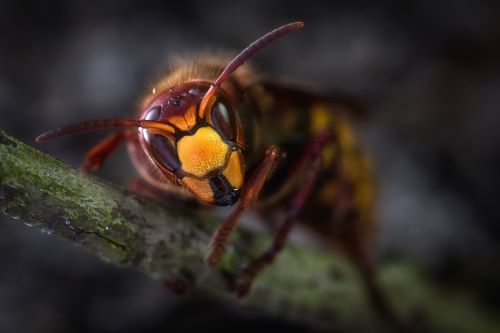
[{"x": 345, "y": 184}]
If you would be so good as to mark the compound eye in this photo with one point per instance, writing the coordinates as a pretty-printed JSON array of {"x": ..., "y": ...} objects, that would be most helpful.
[
  {"x": 164, "y": 151},
  {"x": 153, "y": 114},
  {"x": 224, "y": 120}
]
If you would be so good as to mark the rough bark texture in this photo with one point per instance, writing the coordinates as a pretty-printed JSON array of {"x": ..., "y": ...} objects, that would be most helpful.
[{"x": 303, "y": 284}]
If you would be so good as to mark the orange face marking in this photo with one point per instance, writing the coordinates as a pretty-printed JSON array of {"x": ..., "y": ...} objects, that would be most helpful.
[
  {"x": 200, "y": 188},
  {"x": 202, "y": 152},
  {"x": 234, "y": 172},
  {"x": 186, "y": 121}
]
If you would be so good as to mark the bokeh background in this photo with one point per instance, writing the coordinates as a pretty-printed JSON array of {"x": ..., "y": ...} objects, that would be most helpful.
[{"x": 428, "y": 71}]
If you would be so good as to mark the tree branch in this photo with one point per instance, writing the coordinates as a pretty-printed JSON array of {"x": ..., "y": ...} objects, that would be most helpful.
[{"x": 302, "y": 285}]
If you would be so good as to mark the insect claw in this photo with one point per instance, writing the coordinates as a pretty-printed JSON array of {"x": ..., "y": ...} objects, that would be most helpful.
[
  {"x": 244, "y": 288},
  {"x": 90, "y": 166}
]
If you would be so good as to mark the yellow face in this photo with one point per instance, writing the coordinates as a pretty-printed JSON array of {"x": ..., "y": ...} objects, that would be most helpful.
[
  {"x": 214, "y": 170},
  {"x": 204, "y": 154}
]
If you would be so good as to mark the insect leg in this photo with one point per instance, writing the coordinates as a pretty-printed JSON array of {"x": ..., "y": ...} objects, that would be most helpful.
[
  {"x": 248, "y": 197},
  {"x": 312, "y": 158},
  {"x": 143, "y": 188},
  {"x": 96, "y": 155},
  {"x": 281, "y": 237}
]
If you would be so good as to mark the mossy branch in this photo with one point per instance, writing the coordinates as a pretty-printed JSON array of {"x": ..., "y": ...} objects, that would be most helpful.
[{"x": 303, "y": 284}]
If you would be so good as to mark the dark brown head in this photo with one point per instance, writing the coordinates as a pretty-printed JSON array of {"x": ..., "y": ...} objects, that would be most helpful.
[{"x": 202, "y": 149}]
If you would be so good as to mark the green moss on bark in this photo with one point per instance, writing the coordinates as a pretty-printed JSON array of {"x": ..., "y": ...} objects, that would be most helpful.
[{"x": 303, "y": 284}]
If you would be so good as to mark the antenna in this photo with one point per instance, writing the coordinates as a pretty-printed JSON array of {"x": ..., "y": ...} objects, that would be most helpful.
[
  {"x": 243, "y": 56},
  {"x": 104, "y": 123}
]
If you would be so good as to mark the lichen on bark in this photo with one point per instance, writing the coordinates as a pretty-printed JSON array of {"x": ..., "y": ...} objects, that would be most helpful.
[{"x": 303, "y": 284}]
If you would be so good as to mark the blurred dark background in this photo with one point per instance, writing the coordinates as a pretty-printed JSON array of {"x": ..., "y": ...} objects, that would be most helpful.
[{"x": 429, "y": 72}]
